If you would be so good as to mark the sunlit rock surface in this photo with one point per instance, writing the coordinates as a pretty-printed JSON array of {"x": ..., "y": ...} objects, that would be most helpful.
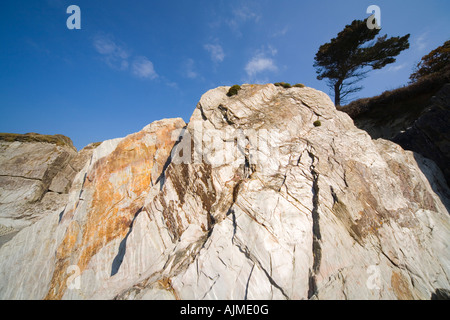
[{"x": 249, "y": 200}]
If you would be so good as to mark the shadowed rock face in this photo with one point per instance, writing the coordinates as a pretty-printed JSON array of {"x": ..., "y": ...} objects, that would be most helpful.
[
  {"x": 250, "y": 200},
  {"x": 415, "y": 117},
  {"x": 430, "y": 133}
]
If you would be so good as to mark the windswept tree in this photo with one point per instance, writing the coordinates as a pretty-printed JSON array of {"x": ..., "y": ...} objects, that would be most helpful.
[
  {"x": 437, "y": 61},
  {"x": 356, "y": 50}
]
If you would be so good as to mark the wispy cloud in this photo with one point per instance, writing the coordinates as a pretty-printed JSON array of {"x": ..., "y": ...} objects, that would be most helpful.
[
  {"x": 143, "y": 68},
  {"x": 421, "y": 41},
  {"x": 114, "y": 55},
  {"x": 396, "y": 68},
  {"x": 189, "y": 69},
  {"x": 240, "y": 16},
  {"x": 235, "y": 15},
  {"x": 280, "y": 33},
  {"x": 261, "y": 62},
  {"x": 216, "y": 52},
  {"x": 118, "y": 57},
  {"x": 244, "y": 13}
]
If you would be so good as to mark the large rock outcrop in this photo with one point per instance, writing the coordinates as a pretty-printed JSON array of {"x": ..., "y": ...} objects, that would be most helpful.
[
  {"x": 253, "y": 199},
  {"x": 36, "y": 173}
]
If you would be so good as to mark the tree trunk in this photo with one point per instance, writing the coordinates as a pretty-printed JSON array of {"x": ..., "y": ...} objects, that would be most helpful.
[{"x": 337, "y": 94}]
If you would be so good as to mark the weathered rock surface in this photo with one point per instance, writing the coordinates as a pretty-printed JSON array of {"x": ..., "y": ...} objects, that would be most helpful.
[
  {"x": 250, "y": 200},
  {"x": 36, "y": 173},
  {"x": 35, "y": 178}
]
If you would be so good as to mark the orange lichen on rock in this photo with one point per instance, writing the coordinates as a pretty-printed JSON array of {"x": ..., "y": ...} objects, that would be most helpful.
[
  {"x": 401, "y": 287},
  {"x": 119, "y": 183},
  {"x": 166, "y": 284}
]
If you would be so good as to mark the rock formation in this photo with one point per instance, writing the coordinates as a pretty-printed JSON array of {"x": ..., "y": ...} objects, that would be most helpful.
[
  {"x": 249, "y": 200},
  {"x": 415, "y": 117},
  {"x": 430, "y": 134},
  {"x": 36, "y": 174}
]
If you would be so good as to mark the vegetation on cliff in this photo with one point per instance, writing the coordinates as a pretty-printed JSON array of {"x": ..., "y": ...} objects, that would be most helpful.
[
  {"x": 346, "y": 59},
  {"x": 56, "y": 139}
]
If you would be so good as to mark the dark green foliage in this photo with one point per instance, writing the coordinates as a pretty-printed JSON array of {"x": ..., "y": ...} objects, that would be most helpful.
[
  {"x": 299, "y": 85},
  {"x": 317, "y": 123},
  {"x": 283, "y": 84},
  {"x": 347, "y": 59},
  {"x": 234, "y": 90},
  {"x": 437, "y": 61}
]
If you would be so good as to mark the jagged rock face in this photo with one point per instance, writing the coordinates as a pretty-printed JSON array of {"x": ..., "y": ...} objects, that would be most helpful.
[
  {"x": 35, "y": 178},
  {"x": 250, "y": 200}
]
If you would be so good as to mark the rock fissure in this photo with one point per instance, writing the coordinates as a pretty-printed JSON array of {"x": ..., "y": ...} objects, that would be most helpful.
[
  {"x": 317, "y": 237},
  {"x": 244, "y": 250},
  {"x": 211, "y": 287},
  {"x": 162, "y": 177},
  {"x": 204, "y": 118},
  {"x": 21, "y": 177},
  {"x": 248, "y": 283}
]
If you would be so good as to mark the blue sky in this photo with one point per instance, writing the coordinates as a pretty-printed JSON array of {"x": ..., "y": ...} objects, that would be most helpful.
[{"x": 134, "y": 62}]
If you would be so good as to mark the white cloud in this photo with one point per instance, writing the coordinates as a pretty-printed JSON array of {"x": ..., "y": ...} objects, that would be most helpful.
[
  {"x": 421, "y": 41},
  {"x": 189, "y": 69},
  {"x": 104, "y": 46},
  {"x": 273, "y": 51},
  {"x": 241, "y": 15},
  {"x": 143, "y": 68},
  {"x": 396, "y": 68},
  {"x": 113, "y": 54},
  {"x": 119, "y": 58},
  {"x": 260, "y": 64},
  {"x": 216, "y": 51}
]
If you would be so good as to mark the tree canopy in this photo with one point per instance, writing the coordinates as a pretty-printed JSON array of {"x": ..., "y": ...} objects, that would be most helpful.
[
  {"x": 437, "y": 61},
  {"x": 346, "y": 59}
]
